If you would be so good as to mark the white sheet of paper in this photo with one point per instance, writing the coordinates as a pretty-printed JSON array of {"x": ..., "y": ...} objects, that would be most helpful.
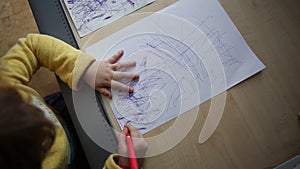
[
  {"x": 90, "y": 15},
  {"x": 178, "y": 66}
]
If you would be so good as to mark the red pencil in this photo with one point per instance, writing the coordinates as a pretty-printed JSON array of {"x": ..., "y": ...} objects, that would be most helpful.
[{"x": 131, "y": 153}]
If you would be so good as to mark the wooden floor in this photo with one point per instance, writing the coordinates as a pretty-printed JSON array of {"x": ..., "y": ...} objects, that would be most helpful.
[{"x": 16, "y": 21}]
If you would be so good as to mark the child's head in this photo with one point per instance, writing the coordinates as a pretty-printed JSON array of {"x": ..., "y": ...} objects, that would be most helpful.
[{"x": 25, "y": 134}]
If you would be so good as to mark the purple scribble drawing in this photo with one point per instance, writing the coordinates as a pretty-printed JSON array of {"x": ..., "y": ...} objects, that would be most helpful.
[
  {"x": 217, "y": 38},
  {"x": 70, "y": 1},
  {"x": 131, "y": 3},
  {"x": 100, "y": 2},
  {"x": 146, "y": 102},
  {"x": 90, "y": 15},
  {"x": 157, "y": 92},
  {"x": 108, "y": 17},
  {"x": 135, "y": 108}
]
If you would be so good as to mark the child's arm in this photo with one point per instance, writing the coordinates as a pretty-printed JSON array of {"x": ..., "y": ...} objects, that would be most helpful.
[
  {"x": 29, "y": 54},
  {"x": 34, "y": 51}
]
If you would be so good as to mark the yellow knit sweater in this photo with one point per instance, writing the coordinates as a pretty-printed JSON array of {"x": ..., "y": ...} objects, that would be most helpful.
[{"x": 23, "y": 60}]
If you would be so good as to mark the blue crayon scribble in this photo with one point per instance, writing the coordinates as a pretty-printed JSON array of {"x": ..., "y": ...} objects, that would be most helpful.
[
  {"x": 131, "y": 2},
  {"x": 89, "y": 15}
]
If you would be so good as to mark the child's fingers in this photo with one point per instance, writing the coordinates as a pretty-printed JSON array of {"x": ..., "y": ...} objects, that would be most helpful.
[
  {"x": 105, "y": 92},
  {"x": 124, "y": 75},
  {"x": 134, "y": 132},
  {"x": 120, "y": 65},
  {"x": 120, "y": 86},
  {"x": 140, "y": 145},
  {"x": 122, "y": 142},
  {"x": 116, "y": 57},
  {"x": 122, "y": 135}
]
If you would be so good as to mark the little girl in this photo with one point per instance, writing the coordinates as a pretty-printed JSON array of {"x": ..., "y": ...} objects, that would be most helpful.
[{"x": 31, "y": 136}]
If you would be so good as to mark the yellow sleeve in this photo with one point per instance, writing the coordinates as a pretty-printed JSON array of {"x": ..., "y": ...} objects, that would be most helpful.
[
  {"x": 36, "y": 50},
  {"x": 110, "y": 162}
]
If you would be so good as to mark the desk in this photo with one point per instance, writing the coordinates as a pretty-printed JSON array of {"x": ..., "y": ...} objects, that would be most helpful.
[{"x": 259, "y": 127}]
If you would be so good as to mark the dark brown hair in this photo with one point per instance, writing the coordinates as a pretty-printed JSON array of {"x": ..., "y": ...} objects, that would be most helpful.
[{"x": 25, "y": 134}]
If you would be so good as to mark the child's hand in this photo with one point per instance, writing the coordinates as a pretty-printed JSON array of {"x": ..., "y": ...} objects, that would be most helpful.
[
  {"x": 101, "y": 75},
  {"x": 140, "y": 145}
]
